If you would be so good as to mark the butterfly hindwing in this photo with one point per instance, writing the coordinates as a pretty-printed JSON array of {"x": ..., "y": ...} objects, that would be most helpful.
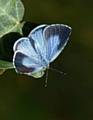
[
  {"x": 25, "y": 64},
  {"x": 26, "y": 59}
]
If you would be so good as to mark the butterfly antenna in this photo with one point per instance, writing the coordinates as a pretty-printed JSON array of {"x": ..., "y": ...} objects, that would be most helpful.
[
  {"x": 57, "y": 71},
  {"x": 46, "y": 78}
]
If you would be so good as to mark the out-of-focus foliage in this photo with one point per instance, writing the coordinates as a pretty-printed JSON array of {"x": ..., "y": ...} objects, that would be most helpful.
[
  {"x": 5, "y": 65},
  {"x": 11, "y": 15}
]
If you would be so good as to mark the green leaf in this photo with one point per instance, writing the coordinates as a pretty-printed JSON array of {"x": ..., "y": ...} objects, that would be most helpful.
[
  {"x": 11, "y": 14},
  {"x": 5, "y": 65},
  {"x": 2, "y": 71}
]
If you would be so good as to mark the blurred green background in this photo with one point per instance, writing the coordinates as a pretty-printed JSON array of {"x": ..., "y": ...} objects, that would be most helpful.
[{"x": 67, "y": 97}]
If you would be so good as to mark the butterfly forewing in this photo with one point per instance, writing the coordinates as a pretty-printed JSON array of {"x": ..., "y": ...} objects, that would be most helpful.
[
  {"x": 27, "y": 46},
  {"x": 37, "y": 35},
  {"x": 57, "y": 36}
]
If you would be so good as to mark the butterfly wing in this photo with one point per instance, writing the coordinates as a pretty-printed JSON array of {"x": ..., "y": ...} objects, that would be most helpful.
[
  {"x": 37, "y": 35},
  {"x": 25, "y": 59},
  {"x": 57, "y": 36},
  {"x": 26, "y": 46},
  {"x": 50, "y": 39}
]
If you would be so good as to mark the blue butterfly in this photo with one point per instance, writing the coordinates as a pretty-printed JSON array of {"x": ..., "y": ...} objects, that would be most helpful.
[{"x": 33, "y": 54}]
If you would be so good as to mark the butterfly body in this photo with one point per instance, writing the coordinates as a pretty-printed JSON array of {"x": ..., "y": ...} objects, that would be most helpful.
[{"x": 33, "y": 54}]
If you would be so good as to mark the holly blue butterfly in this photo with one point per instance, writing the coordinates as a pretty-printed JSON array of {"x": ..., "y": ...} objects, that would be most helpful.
[{"x": 33, "y": 54}]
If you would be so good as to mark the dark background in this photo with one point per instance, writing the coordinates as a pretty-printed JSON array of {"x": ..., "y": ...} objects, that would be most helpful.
[{"x": 67, "y": 97}]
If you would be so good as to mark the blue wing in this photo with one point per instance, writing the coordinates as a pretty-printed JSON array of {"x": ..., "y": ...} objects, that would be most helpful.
[
  {"x": 57, "y": 36},
  {"x": 37, "y": 35},
  {"x": 50, "y": 40},
  {"x": 25, "y": 64},
  {"x": 27, "y": 46},
  {"x": 26, "y": 58}
]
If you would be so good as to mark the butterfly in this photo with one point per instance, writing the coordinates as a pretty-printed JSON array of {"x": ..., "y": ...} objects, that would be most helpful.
[{"x": 33, "y": 54}]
